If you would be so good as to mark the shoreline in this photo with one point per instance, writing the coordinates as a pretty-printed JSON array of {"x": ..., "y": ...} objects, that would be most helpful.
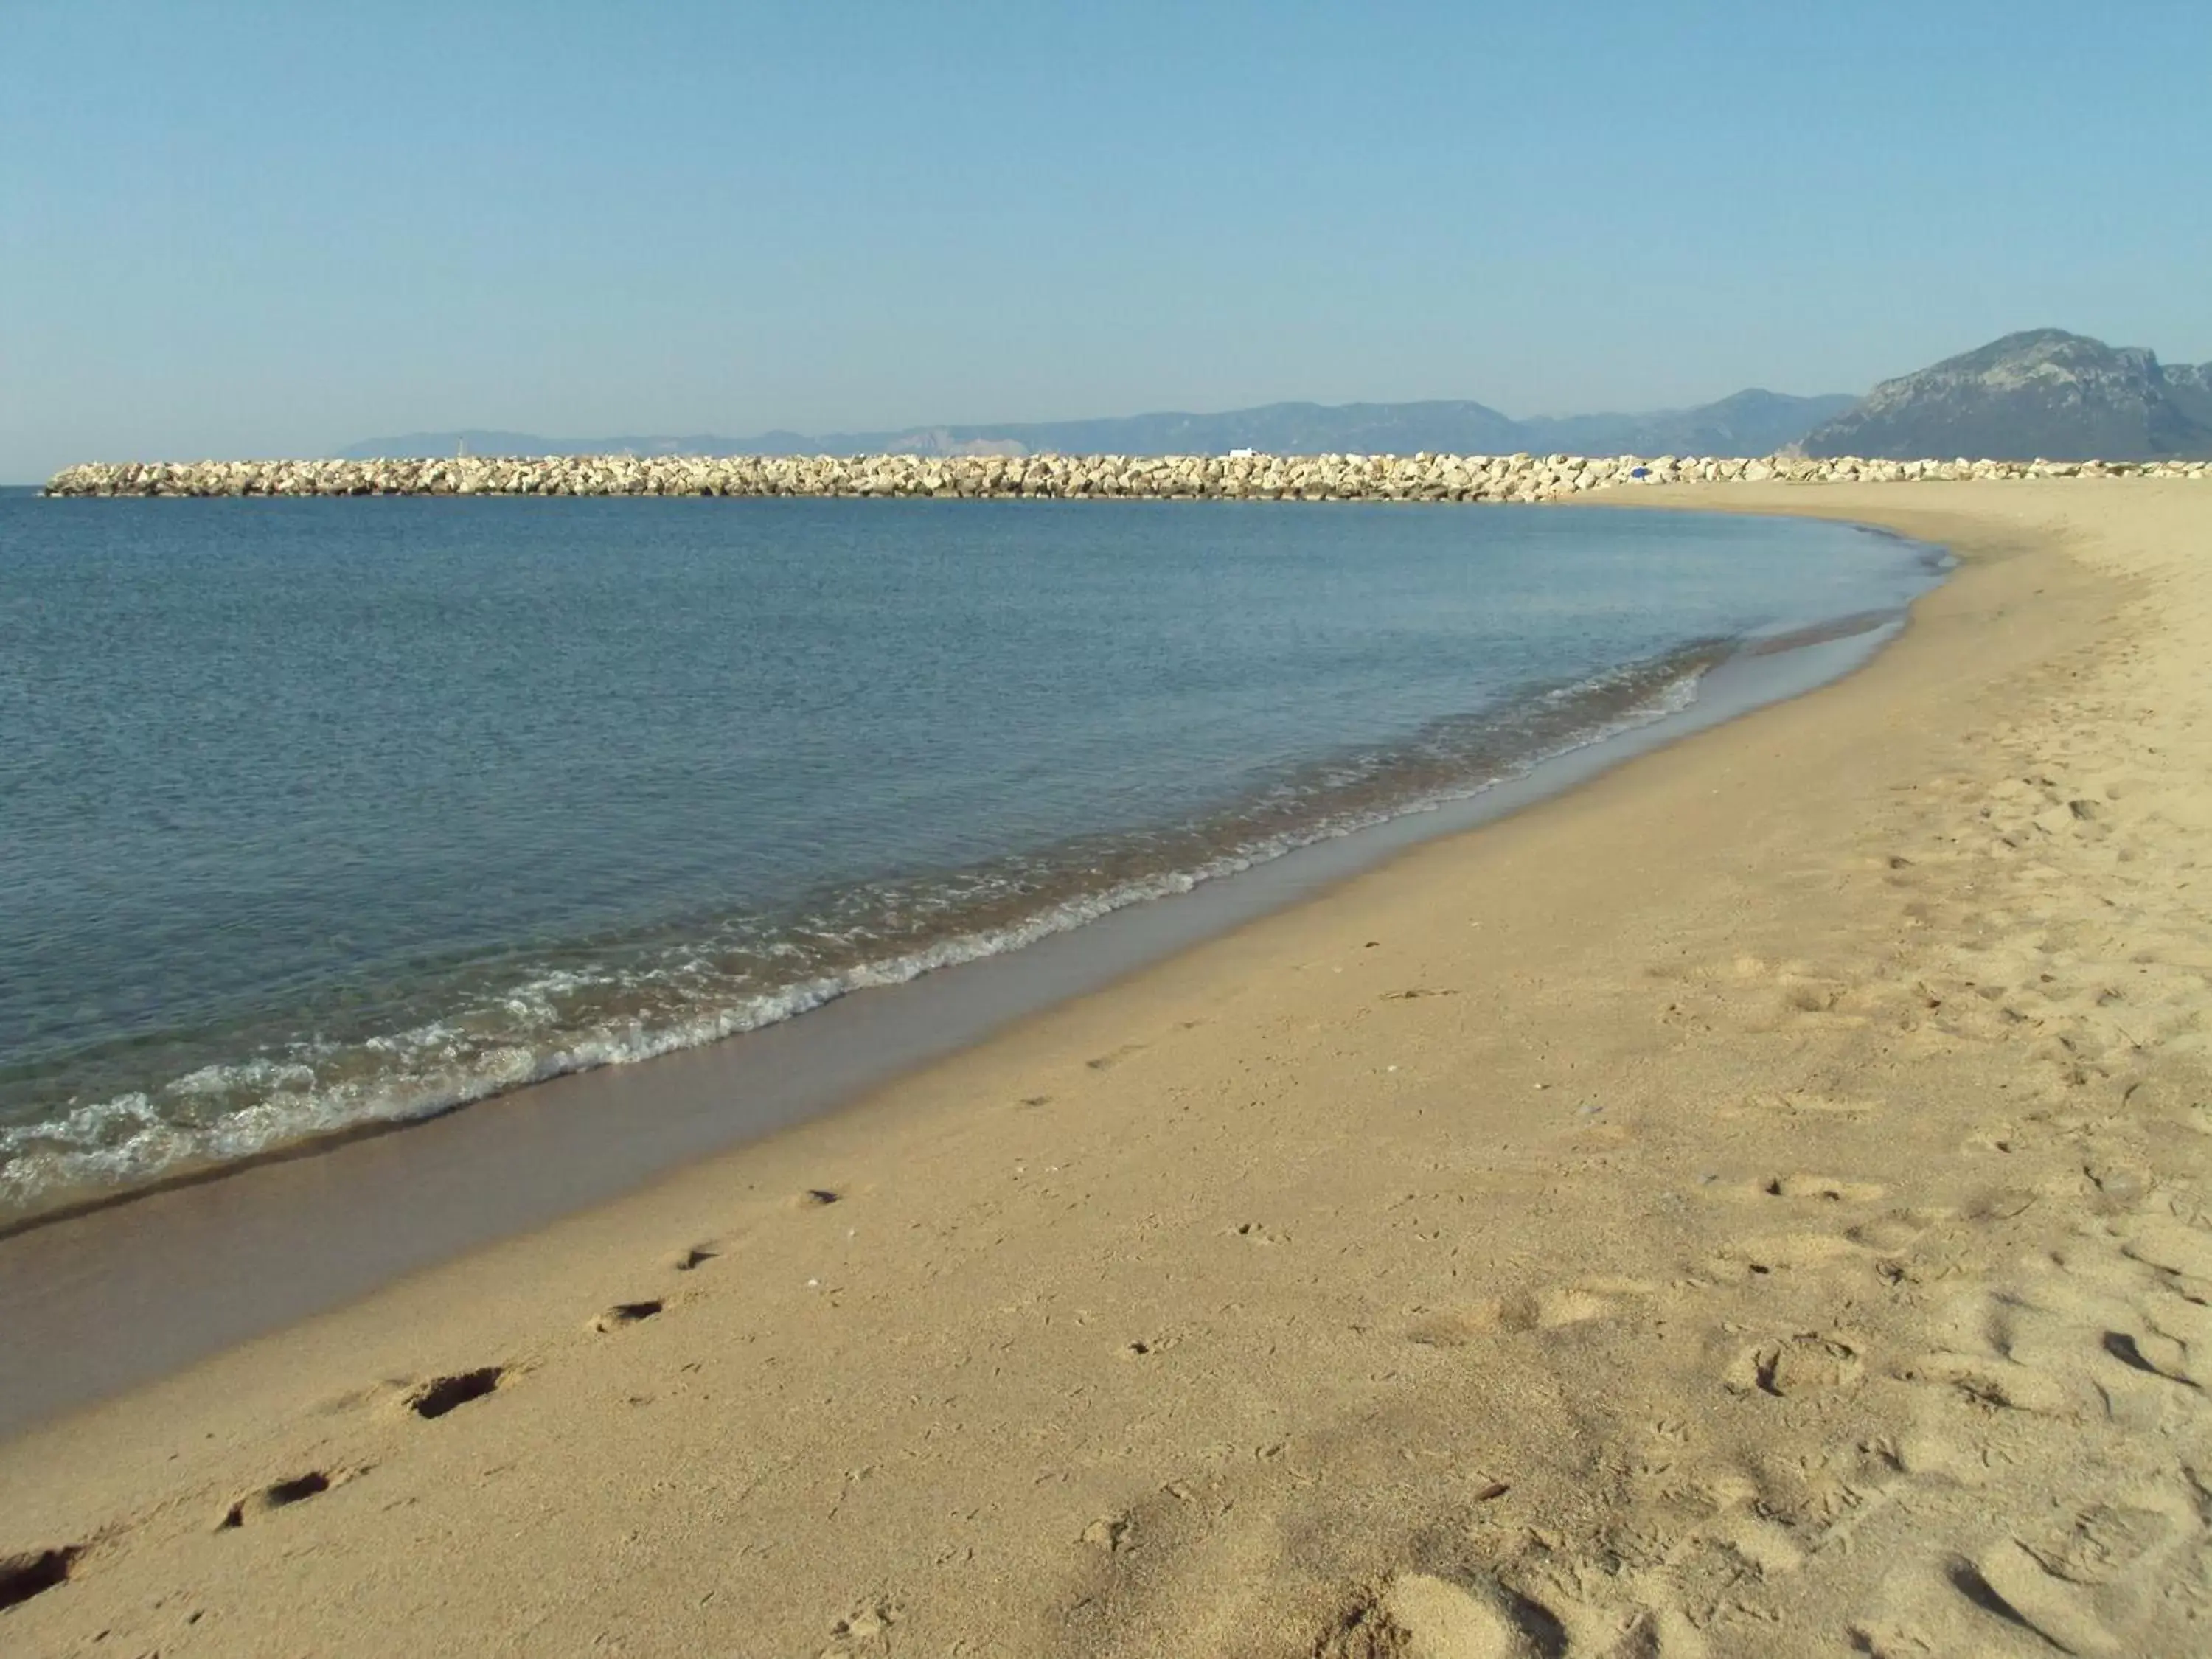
[
  {"x": 94, "y": 1111},
  {"x": 1254, "y": 1302},
  {"x": 568, "y": 1142}
]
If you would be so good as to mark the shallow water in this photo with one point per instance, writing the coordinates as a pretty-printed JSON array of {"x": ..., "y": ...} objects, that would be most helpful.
[{"x": 314, "y": 813}]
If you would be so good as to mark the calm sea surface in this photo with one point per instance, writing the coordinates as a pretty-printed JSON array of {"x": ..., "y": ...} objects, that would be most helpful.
[{"x": 318, "y": 812}]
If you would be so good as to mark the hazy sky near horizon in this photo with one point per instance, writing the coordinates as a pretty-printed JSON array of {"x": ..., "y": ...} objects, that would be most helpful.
[{"x": 233, "y": 230}]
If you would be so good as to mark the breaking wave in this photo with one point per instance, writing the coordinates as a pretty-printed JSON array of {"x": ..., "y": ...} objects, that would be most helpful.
[{"x": 612, "y": 1001}]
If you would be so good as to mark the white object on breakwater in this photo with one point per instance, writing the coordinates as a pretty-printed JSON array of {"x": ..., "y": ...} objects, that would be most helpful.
[{"x": 1422, "y": 477}]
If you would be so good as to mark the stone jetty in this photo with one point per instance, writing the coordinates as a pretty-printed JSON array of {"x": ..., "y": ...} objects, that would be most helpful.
[{"x": 1422, "y": 477}]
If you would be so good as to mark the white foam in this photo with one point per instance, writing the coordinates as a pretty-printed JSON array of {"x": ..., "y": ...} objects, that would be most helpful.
[{"x": 131, "y": 1139}]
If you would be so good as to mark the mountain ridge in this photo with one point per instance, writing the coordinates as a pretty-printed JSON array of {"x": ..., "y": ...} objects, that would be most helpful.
[
  {"x": 2041, "y": 393},
  {"x": 2038, "y": 393},
  {"x": 1753, "y": 422}
]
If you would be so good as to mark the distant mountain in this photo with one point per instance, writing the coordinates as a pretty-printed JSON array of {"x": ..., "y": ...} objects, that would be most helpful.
[
  {"x": 1751, "y": 422},
  {"x": 481, "y": 440},
  {"x": 1273, "y": 429},
  {"x": 2188, "y": 386},
  {"x": 2044, "y": 393}
]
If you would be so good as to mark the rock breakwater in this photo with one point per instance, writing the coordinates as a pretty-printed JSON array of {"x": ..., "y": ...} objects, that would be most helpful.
[{"x": 1421, "y": 477}]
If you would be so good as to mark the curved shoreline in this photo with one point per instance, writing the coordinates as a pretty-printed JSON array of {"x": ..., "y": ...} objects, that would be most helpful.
[
  {"x": 257, "y": 1224},
  {"x": 236, "y": 1094},
  {"x": 1746, "y": 1203},
  {"x": 577, "y": 1051}
]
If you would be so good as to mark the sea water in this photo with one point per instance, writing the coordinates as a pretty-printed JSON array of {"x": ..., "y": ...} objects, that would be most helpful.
[{"x": 322, "y": 813}]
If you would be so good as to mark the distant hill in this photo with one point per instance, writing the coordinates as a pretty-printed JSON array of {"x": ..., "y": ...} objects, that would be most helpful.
[
  {"x": 1753, "y": 423},
  {"x": 2189, "y": 386},
  {"x": 2044, "y": 393}
]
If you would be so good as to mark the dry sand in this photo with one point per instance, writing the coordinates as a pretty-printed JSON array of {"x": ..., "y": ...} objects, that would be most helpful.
[{"x": 1751, "y": 1205}]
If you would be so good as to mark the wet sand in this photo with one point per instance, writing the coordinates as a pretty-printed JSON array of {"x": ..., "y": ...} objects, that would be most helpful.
[
  {"x": 135, "y": 1286},
  {"x": 1751, "y": 1203}
]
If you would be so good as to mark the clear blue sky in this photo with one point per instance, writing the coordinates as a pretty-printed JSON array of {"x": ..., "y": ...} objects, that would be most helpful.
[{"x": 231, "y": 228}]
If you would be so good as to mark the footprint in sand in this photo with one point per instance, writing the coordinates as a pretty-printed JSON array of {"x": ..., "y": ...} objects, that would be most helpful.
[
  {"x": 2006, "y": 1580},
  {"x": 1792, "y": 1367},
  {"x": 281, "y": 1494},
  {"x": 2173, "y": 1246},
  {"x": 627, "y": 1313},
  {"x": 1811, "y": 996},
  {"x": 1890, "y": 1234},
  {"x": 2089, "y": 1583},
  {"x": 692, "y": 1257},
  {"x": 1419, "y": 1616},
  {"x": 1997, "y": 1383},
  {"x": 866, "y": 1630},
  {"x": 1113, "y": 1534},
  {"x": 441, "y": 1394},
  {"x": 34, "y": 1572}
]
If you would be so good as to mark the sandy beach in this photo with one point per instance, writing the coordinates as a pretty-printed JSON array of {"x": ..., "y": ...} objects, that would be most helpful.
[{"x": 1753, "y": 1204}]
